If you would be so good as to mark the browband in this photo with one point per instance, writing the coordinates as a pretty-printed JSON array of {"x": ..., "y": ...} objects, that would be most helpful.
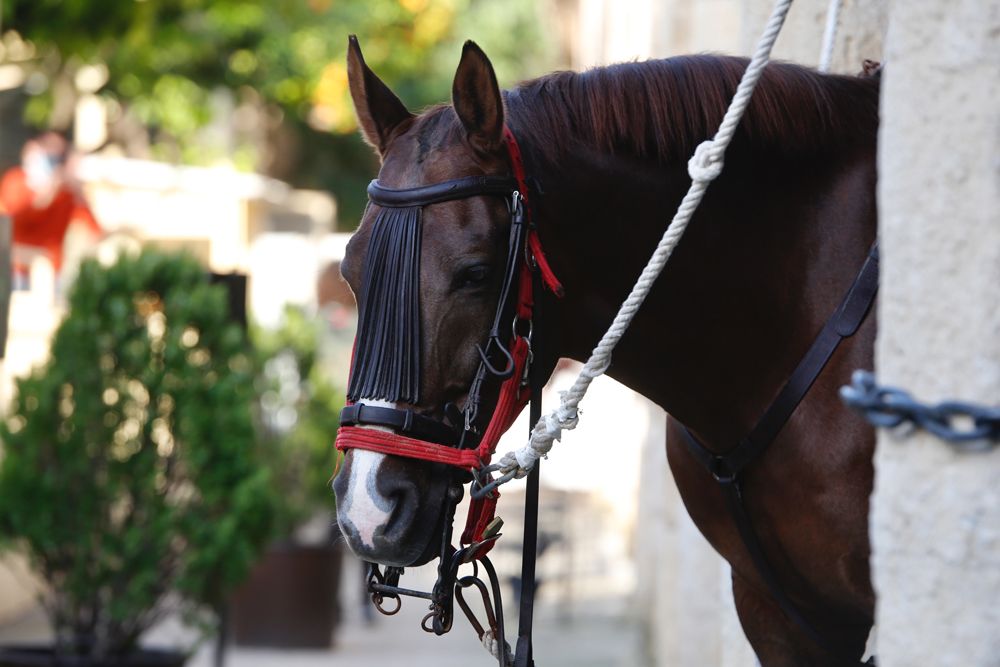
[{"x": 457, "y": 188}]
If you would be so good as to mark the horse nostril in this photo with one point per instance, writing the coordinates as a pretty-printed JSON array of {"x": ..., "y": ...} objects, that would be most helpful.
[{"x": 403, "y": 499}]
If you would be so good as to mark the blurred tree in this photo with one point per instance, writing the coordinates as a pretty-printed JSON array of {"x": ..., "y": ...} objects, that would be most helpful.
[
  {"x": 299, "y": 414},
  {"x": 130, "y": 476},
  {"x": 275, "y": 69}
]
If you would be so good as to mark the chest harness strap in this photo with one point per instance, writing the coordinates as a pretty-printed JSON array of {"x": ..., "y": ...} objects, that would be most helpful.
[{"x": 727, "y": 469}]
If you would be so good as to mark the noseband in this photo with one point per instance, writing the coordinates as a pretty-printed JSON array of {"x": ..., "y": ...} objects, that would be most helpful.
[{"x": 386, "y": 368}]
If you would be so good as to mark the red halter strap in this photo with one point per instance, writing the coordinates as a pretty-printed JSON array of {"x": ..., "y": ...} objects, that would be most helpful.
[
  {"x": 534, "y": 244},
  {"x": 514, "y": 395}
]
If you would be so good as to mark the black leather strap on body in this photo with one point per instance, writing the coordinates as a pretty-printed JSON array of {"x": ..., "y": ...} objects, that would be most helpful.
[
  {"x": 727, "y": 468},
  {"x": 457, "y": 188},
  {"x": 844, "y": 322},
  {"x": 406, "y": 422},
  {"x": 732, "y": 491},
  {"x": 523, "y": 652}
]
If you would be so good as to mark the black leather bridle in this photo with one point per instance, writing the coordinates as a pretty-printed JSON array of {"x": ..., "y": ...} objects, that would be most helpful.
[{"x": 470, "y": 445}]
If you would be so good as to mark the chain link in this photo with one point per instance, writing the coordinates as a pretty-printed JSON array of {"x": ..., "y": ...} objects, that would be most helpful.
[{"x": 973, "y": 427}]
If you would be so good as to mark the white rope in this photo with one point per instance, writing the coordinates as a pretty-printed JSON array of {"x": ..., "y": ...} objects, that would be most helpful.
[
  {"x": 704, "y": 167},
  {"x": 829, "y": 35},
  {"x": 492, "y": 646}
]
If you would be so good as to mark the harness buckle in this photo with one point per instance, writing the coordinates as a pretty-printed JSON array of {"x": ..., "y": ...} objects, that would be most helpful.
[{"x": 721, "y": 470}]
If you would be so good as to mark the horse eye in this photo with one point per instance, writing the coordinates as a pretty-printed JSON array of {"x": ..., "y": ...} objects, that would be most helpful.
[{"x": 474, "y": 276}]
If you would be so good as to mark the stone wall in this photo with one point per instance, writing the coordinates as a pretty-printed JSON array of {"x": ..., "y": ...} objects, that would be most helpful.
[{"x": 936, "y": 511}]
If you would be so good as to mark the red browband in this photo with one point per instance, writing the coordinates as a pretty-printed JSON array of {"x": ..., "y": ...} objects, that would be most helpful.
[{"x": 513, "y": 396}]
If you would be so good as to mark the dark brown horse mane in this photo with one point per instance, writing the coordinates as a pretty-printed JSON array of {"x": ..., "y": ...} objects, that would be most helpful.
[{"x": 662, "y": 109}]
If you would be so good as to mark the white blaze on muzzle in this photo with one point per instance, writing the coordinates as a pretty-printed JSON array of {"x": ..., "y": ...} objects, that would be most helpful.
[{"x": 367, "y": 509}]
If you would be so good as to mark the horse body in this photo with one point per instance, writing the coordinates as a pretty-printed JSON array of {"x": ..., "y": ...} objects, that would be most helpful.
[{"x": 764, "y": 263}]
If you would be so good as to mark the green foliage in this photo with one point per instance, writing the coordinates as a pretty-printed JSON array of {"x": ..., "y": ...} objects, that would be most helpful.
[
  {"x": 166, "y": 59},
  {"x": 300, "y": 414},
  {"x": 130, "y": 471}
]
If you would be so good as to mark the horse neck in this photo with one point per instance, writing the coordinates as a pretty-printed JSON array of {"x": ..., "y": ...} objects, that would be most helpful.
[{"x": 763, "y": 263}]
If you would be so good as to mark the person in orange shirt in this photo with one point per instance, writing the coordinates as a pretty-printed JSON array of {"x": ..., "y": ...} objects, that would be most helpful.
[{"x": 43, "y": 198}]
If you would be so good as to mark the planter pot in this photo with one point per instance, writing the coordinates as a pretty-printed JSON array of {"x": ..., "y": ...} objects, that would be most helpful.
[
  {"x": 42, "y": 656},
  {"x": 290, "y": 599}
]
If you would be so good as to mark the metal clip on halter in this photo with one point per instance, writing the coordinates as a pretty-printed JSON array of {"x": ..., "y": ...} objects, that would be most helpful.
[
  {"x": 482, "y": 483},
  {"x": 531, "y": 353}
]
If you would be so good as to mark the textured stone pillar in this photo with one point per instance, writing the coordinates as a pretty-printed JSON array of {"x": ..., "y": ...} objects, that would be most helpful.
[
  {"x": 936, "y": 511},
  {"x": 859, "y": 35}
]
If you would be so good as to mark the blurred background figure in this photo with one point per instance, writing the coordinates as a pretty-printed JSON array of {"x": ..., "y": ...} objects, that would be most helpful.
[{"x": 43, "y": 198}]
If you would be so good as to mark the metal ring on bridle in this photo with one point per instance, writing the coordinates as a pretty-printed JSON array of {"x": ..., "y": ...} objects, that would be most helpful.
[{"x": 531, "y": 328}]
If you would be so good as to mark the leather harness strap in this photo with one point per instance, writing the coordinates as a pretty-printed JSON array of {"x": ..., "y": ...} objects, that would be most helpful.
[
  {"x": 727, "y": 468},
  {"x": 406, "y": 422},
  {"x": 524, "y": 650},
  {"x": 419, "y": 438},
  {"x": 844, "y": 322}
]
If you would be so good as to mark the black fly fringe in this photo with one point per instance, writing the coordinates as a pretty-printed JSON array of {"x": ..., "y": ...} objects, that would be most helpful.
[{"x": 387, "y": 349}]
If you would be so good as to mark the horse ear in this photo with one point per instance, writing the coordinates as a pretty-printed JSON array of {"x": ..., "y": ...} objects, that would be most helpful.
[
  {"x": 477, "y": 100},
  {"x": 379, "y": 111}
]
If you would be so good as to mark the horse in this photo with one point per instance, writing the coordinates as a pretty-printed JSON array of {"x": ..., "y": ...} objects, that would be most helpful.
[{"x": 777, "y": 240}]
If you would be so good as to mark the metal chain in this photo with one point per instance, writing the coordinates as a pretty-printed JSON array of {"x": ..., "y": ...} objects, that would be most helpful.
[{"x": 972, "y": 427}]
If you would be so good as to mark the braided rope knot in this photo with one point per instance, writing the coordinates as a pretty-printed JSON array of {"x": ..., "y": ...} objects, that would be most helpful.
[
  {"x": 706, "y": 163},
  {"x": 548, "y": 430}
]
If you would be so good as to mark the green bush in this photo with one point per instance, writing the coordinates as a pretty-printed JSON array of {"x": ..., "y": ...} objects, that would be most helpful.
[
  {"x": 130, "y": 474},
  {"x": 299, "y": 416}
]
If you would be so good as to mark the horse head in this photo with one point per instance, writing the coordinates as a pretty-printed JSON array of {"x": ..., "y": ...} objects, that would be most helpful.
[{"x": 427, "y": 278}]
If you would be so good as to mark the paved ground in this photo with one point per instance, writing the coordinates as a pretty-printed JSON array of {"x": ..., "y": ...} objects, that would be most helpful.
[{"x": 589, "y": 632}]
